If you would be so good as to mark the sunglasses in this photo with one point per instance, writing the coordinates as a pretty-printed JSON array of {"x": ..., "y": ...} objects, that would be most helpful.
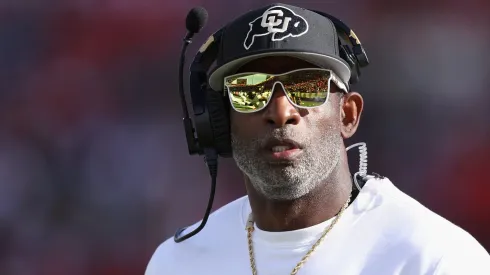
[{"x": 304, "y": 88}]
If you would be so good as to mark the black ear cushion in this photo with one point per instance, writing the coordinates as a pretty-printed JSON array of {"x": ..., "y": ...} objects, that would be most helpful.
[{"x": 220, "y": 122}]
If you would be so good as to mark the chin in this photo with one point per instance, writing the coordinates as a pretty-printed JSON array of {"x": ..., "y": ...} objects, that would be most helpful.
[
  {"x": 284, "y": 195},
  {"x": 283, "y": 188}
]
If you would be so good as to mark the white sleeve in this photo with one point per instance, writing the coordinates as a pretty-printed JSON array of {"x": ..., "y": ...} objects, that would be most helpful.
[{"x": 467, "y": 257}]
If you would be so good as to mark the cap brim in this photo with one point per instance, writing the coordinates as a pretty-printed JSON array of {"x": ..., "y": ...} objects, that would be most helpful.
[{"x": 323, "y": 61}]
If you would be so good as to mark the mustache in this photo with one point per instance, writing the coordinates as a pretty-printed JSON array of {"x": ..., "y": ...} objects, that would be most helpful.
[
  {"x": 283, "y": 133},
  {"x": 260, "y": 141}
]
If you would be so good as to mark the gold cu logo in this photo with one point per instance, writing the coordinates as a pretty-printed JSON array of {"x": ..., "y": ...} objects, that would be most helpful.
[{"x": 275, "y": 21}]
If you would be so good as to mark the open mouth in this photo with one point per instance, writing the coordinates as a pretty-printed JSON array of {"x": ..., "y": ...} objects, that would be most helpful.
[
  {"x": 282, "y": 150},
  {"x": 282, "y": 144}
]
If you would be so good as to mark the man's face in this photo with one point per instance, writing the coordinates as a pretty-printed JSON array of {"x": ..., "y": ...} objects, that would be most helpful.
[{"x": 312, "y": 137}]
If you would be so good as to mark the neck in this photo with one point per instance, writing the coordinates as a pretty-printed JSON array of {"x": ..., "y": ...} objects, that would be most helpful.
[{"x": 320, "y": 205}]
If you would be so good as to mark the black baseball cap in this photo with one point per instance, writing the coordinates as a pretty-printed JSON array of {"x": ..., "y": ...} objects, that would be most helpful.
[{"x": 278, "y": 30}]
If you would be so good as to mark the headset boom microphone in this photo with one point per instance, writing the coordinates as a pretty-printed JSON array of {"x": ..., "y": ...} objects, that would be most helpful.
[{"x": 195, "y": 21}]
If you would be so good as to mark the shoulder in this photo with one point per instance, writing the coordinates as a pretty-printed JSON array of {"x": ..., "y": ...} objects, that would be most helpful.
[
  {"x": 221, "y": 228},
  {"x": 406, "y": 211},
  {"x": 462, "y": 254},
  {"x": 430, "y": 236}
]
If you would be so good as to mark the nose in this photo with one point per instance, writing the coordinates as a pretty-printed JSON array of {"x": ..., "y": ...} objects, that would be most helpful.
[{"x": 280, "y": 111}]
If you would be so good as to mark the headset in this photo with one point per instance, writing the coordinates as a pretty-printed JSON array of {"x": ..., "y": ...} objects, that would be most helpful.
[{"x": 210, "y": 135}]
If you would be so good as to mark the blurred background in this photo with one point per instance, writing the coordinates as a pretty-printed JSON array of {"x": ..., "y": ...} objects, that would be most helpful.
[{"x": 94, "y": 170}]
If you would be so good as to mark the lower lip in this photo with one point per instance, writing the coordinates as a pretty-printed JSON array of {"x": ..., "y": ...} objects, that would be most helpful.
[{"x": 286, "y": 155}]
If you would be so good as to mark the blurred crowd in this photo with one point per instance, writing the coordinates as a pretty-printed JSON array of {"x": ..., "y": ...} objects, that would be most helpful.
[{"x": 94, "y": 170}]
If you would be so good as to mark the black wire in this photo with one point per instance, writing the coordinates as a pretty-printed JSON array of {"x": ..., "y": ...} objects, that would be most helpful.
[{"x": 211, "y": 159}]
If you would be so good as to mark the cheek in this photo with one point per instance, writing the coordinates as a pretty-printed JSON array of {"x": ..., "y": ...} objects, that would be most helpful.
[
  {"x": 241, "y": 125},
  {"x": 324, "y": 126},
  {"x": 326, "y": 116}
]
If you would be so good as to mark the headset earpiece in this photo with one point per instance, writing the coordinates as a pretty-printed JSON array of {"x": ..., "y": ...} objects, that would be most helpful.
[
  {"x": 219, "y": 119},
  {"x": 211, "y": 117}
]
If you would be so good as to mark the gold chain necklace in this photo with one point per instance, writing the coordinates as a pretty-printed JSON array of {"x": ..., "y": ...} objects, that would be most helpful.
[{"x": 250, "y": 229}]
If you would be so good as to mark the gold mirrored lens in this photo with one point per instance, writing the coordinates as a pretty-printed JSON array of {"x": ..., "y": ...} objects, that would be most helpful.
[
  {"x": 248, "y": 98},
  {"x": 307, "y": 88},
  {"x": 250, "y": 92}
]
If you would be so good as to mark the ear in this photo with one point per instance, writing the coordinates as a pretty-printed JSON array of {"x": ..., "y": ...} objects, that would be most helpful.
[{"x": 351, "y": 110}]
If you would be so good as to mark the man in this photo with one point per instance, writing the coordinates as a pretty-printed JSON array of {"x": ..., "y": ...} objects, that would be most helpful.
[{"x": 302, "y": 213}]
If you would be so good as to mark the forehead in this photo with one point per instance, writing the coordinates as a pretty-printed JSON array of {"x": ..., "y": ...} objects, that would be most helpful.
[{"x": 275, "y": 65}]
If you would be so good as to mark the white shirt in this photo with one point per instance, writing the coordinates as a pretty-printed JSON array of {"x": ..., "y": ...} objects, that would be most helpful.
[{"x": 384, "y": 231}]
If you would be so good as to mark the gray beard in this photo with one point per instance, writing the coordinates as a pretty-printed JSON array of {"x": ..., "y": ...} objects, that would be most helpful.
[{"x": 289, "y": 181}]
